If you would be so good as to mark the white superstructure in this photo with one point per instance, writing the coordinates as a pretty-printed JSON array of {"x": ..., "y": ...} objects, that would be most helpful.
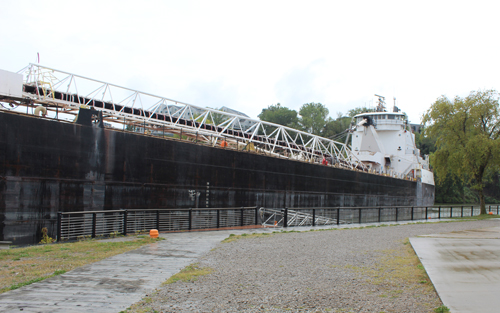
[{"x": 384, "y": 142}]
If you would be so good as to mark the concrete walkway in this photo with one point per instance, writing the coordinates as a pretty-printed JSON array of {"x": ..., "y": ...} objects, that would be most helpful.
[
  {"x": 464, "y": 268},
  {"x": 113, "y": 284}
]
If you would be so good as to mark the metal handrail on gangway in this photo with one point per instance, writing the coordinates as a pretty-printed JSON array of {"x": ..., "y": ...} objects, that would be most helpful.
[{"x": 274, "y": 217}]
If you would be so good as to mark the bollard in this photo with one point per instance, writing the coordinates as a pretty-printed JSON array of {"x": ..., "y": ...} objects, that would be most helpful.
[{"x": 153, "y": 233}]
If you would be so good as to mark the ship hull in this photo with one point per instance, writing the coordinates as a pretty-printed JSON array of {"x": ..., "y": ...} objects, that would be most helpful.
[{"x": 48, "y": 166}]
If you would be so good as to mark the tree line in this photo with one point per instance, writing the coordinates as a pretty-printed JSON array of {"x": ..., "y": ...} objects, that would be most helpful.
[{"x": 312, "y": 118}]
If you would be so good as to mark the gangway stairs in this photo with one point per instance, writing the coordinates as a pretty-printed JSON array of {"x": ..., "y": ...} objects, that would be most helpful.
[{"x": 275, "y": 217}]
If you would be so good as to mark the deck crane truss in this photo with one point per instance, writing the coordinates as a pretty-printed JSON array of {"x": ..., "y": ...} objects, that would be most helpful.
[{"x": 63, "y": 94}]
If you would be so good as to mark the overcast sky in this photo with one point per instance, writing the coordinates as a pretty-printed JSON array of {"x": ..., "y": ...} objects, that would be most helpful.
[{"x": 248, "y": 55}]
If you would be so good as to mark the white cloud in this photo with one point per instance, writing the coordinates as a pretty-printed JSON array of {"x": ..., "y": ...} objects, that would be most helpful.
[{"x": 248, "y": 55}]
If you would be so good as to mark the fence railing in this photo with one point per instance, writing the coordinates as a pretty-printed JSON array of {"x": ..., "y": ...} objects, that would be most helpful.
[
  {"x": 290, "y": 217},
  {"x": 75, "y": 225}
]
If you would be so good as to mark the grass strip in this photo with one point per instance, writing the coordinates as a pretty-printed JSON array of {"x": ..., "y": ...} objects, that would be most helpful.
[
  {"x": 395, "y": 272},
  {"x": 233, "y": 237},
  {"x": 35, "y": 280},
  {"x": 23, "y": 266},
  {"x": 189, "y": 274}
]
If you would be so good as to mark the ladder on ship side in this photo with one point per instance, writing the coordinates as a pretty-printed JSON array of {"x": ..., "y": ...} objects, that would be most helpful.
[
  {"x": 275, "y": 217},
  {"x": 67, "y": 93}
]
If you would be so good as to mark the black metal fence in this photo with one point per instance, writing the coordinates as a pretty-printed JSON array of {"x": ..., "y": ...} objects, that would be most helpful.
[
  {"x": 290, "y": 217},
  {"x": 76, "y": 225},
  {"x": 92, "y": 224}
]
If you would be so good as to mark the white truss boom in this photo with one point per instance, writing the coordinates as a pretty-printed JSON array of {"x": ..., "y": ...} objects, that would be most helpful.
[{"x": 58, "y": 90}]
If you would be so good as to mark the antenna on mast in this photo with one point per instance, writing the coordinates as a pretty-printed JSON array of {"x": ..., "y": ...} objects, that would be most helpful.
[
  {"x": 395, "y": 109},
  {"x": 381, "y": 103}
]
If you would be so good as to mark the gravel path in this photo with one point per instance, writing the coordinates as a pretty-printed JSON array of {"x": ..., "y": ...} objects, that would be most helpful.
[{"x": 349, "y": 270}]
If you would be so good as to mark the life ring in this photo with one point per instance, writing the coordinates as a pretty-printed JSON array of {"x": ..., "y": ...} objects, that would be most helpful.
[{"x": 40, "y": 109}]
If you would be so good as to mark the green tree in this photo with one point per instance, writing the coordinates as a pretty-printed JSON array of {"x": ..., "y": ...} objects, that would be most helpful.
[
  {"x": 426, "y": 144},
  {"x": 337, "y": 129},
  {"x": 356, "y": 111},
  {"x": 313, "y": 117},
  {"x": 279, "y": 115},
  {"x": 467, "y": 134}
]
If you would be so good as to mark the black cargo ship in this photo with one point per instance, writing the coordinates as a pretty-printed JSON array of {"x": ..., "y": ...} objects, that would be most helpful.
[{"x": 48, "y": 165}]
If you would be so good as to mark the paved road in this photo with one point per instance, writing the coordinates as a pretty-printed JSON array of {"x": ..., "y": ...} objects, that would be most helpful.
[{"x": 464, "y": 268}]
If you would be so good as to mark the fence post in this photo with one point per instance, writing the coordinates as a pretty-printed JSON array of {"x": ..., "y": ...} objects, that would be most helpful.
[
  {"x": 471, "y": 211},
  {"x": 379, "y": 214},
  {"x": 94, "y": 223},
  {"x": 314, "y": 218},
  {"x": 359, "y": 216},
  {"x": 158, "y": 220},
  {"x": 125, "y": 222},
  {"x": 338, "y": 216},
  {"x": 451, "y": 211},
  {"x": 462, "y": 211},
  {"x": 190, "y": 225},
  {"x": 218, "y": 218},
  {"x": 497, "y": 209},
  {"x": 396, "y": 214},
  {"x": 256, "y": 215},
  {"x": 489, "y": 209},
  {"x": 59, "y": 226},
  {"x": 425, "y": 212},
  {"x": 412, "y": 213},
  {"x": 285, "y": 218},
  {"x": 439, "y": 212},
  {"x": 242, "y": 216}
]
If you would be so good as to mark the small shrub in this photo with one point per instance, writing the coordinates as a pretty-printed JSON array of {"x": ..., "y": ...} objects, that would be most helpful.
[
  {"x": 442, "y": 309},
  {"x": 45, "y": 238}
]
